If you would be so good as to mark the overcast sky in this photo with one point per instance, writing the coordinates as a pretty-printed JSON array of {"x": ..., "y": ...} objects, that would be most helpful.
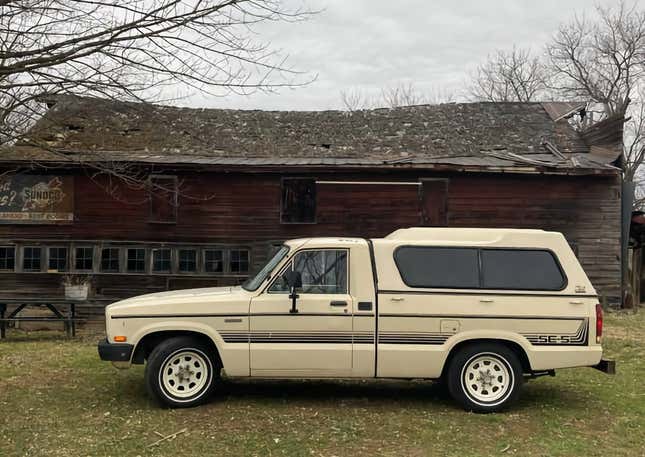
[{"x": 370, "y": 44}]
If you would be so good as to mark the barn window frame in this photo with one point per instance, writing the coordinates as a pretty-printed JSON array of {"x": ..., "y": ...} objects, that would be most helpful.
[
  {"x": 195, "y": 250},
  {"x": 171, "y": 260},
  {"x": 119, "y": 259},
  {"x": 74, "y": 257},
  {"x": 283, "y": 212},
  {"x": 205, "y": 261},
  {"x": 24, "y": 258},
  {"x": 49, "y": 257},
  {"x": 230, "y": 261},
  {"x": 126, "y": 266},
  {"x": 5, "y": 260},
  {"x": 174, "y": 199}
]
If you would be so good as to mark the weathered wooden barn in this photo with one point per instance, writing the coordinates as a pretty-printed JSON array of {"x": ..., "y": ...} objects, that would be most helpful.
[{"x": 229, "y": 186}]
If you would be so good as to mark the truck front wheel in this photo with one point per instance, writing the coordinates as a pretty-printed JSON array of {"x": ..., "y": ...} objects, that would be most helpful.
[
  {"x": 485, "y": 377},
  {"x": 181, "y": 372}
]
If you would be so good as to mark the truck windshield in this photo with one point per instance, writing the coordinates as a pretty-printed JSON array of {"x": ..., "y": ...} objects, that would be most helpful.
[{"x": 252, "y": 284}]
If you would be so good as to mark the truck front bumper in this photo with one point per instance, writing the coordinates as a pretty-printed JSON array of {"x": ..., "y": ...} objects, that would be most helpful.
[
  {"x": 606, "y": 366},
  {"x": 115, "y": 352}
]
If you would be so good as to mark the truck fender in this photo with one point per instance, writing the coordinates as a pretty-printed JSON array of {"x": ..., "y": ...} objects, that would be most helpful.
[
  {"x": 489, "y": 335},
  {"x": 186, "y": 326}
]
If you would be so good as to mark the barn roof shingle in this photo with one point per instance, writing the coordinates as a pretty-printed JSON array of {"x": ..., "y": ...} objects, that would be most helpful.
[{"x": 485, "y": 135}]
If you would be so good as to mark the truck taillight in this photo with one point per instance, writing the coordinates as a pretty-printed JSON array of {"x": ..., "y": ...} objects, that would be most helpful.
[{"x": 598, "y": 323}]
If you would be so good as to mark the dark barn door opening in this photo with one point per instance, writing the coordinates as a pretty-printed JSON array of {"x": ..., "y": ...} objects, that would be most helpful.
[
  {"x": 374, "y": 209},
  {"x": 434, "y": 202}
]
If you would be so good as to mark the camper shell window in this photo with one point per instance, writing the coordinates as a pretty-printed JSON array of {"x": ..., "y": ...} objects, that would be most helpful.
[{"x": 479, "y": 268}]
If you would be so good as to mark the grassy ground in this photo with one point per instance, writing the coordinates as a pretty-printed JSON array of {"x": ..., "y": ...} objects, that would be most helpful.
[{"x": 57, "y": 398}]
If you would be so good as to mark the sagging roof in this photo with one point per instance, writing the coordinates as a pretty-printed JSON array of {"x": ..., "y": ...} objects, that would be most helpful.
[{"x": 520, "y": 137}]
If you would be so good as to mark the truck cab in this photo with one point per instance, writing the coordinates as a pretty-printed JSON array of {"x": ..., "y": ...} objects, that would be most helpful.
[{"x": 480, "y": 309}]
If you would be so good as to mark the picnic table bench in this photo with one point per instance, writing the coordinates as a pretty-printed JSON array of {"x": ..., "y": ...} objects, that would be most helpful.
[{"x": 62, "y": 310}]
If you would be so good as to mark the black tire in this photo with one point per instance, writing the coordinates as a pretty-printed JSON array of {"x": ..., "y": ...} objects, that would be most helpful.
[
  {"x": 498, "y": 381},
  {"x": 188, "y": 382}
]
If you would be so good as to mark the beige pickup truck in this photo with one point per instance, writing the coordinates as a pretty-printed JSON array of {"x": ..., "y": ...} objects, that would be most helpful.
[{"x": 480, "y": 309}]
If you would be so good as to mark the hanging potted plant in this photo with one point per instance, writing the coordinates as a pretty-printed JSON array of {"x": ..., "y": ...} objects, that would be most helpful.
[{"x": 77, "y": 287}]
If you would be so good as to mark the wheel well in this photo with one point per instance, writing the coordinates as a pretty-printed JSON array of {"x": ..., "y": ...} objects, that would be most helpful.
[
  {"x": 146, "y": 344},
  {"x": 516, "y": 348}
]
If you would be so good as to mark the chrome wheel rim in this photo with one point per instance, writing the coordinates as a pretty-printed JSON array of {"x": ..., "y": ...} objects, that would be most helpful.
[
  {"x": 487, "y": 379},
  {"x": 185, "y": 373}
]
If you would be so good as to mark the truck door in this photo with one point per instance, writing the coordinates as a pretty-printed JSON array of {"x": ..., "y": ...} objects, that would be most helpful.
[{"x": 315, "y": 341}]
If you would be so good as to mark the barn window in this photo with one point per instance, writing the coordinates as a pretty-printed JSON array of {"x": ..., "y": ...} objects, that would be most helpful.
[
  {"x": 187, "y": 260},
  {"x": 110, "y": 260},
  {"x": 136, "y": 260},
  {"x": 163, "y": 199},
  {"x": 57, "y": 259},
  {"x": 161, "y": 260},
  {"x": 298, "y": 202},
  {"x": 84, "y": 258},
  {"x": 31, "y": 258},
  {"x": 7, "y": 258},
  {"x": 213, "y": 261},
  {"x": 239, "y": 261}
]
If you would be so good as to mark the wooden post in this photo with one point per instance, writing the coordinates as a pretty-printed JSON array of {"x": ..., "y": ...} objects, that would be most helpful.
[
  {"x": 68, "y": 322},
  {"x": 637, "y": 262},
  {"x": 3, "y": 309},
  {"x": 72, "y": 313}
]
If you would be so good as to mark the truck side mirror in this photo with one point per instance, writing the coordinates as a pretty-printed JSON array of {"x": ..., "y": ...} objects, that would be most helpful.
[{"x": 294, "y": 279}]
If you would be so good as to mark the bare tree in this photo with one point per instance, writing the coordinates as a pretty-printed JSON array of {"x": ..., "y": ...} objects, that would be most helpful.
[
  {"x": 634, "y": 148},
  {"x": 509, "y": 76},
  {"x": 355, "y": 99},
  {"x": 131, "y": 50},
  {"x": 402, "y": 94},
  {"x": 602, "y": 60}
]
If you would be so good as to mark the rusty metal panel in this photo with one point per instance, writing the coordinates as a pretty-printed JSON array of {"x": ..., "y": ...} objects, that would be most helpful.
[
  {"x": 559, "y": 110},
  {"x": 36, "y": 199}
]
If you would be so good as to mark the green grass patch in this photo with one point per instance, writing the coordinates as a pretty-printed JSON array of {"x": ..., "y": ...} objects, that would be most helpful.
[{"x": 58, "y": 399}]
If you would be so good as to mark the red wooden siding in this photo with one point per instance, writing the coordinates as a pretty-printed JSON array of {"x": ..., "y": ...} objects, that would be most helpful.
[{"x": 244, "y": 209}]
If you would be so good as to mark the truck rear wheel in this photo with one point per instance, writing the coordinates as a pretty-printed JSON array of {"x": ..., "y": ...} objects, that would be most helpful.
[
  {"x": 485, "y": 378},
  {"x": 181, "y": 372}
]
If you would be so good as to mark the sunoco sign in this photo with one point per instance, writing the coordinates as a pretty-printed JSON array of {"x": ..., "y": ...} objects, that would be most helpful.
[{"x": 36, "y": 199}]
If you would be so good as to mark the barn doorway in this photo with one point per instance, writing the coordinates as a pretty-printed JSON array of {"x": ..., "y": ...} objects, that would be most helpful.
[{"x": 434, "y": 202}]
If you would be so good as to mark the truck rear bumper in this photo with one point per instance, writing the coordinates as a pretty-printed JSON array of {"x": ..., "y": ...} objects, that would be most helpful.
[
  {"x": 606, "y": 366},
  {"x": 548, "y": 358},
  {"x": 115, "y": 352}
]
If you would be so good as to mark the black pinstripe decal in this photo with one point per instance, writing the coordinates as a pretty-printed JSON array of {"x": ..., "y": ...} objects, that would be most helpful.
[
  {"x": 579, "y": 338},
  {"x": 297, "y": 337},
  {"x": 160, "y": 316}
]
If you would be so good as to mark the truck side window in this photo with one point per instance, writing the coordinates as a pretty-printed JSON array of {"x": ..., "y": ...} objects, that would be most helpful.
[
  {"x": 323, "y": 272},
  {"x": 521, "y": 269},
  {"x": 422, "y": 266}
]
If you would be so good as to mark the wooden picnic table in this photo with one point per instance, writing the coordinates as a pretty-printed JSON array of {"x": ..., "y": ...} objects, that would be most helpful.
[{"x": 62, "y": 309}]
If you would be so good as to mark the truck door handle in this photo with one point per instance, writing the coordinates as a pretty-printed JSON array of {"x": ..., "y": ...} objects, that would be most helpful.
[
  {"x": 397, "y": 299},
  {"x": 576, "y": 302},
  {"x": 486, "y": 300},
  {"x": 338, "y": 303}
]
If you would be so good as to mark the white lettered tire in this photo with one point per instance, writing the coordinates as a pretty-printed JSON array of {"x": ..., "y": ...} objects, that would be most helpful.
[
  {"x": 485, "y": 377},
  {"x": 181, "y": 372}
]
